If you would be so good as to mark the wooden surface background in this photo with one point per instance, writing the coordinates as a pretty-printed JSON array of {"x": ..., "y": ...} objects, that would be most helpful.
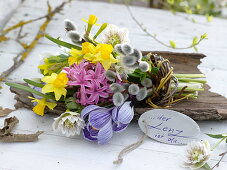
[{"x": 54, "y": 151}]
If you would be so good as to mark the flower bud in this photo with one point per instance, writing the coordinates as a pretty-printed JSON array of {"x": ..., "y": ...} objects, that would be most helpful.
[
  {"x": 110, "y": 75},
  {"x": 126, "y": 85},
  {"x": 118, "y": 99},
  {"x": 118, "y": 49},
  {"x": 143, "y": 66},
  {"x": 115, "y": 87},
  {"x": 146, "y": 82},
  {"x": 129, "y": 60},
  {"x": 137, "y": 54},
  {"x": 133, "y": 89},
  {"x": 69, "y": 25},
  {"x": 74, "y": 36},
  {"x": 142, "y": 94},
  {"x": 127, "y": 49}
]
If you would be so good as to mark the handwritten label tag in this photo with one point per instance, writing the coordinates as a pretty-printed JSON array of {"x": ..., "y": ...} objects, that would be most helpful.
[{"x": 168, "y": 126}]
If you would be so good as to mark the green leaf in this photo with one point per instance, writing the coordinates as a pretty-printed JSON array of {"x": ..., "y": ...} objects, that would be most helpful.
[
  {"x": 101, "y": 29},
  {"x": 172, "y": 44},
  {"x": 33, "y": 83},
  {"x": 204, "y": 36},
  {"x": 155, "y": 70},
  {"x": 206, "y": 166},
  {"x": 217, "y": 136},
  {"x": 195, "y": 48},
  {"x": 195, "y": 40},
  {"x": 226, "y": 140},
  {"x": 58, "y": 59},
  {"x": 28, "y": 89},
  {"x": 62, "y": 43}
]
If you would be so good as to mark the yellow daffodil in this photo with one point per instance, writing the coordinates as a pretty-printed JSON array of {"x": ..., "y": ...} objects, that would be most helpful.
[
  {"x": 41, "y": 104},
  {"x": 101, "y": 53},
  {"x": 104, "y": 55},
  {"x": 55, "y": 83},
  {"x": 76, "y": 56},
  {"x": 92, "y": 20}
]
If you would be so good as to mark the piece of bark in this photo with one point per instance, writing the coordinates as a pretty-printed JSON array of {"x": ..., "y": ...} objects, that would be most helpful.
[
  {"x": 20, "y": 137},
  {"x": 5, "y": 112},
  {"x": 6, "y": 134},
  {"x": 9, "y": 124},
  {"x": 208, "y": 106}
]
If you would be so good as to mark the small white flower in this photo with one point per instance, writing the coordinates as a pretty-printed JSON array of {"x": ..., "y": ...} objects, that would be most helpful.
[
  {"x": 69, "y": 123},
  {"x": 197, "y": 154},
  {"x": 114, "y": 35}
]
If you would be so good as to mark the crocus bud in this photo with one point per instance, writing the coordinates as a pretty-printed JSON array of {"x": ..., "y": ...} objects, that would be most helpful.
[
  {"x": 74, "y": 36},
  {"x": 115, "y": 87},
  {"x": 143, "y": 66},
  {"x": 118, "y": 99},
  {"x": 69, "y": 25},
  {"x": 133, "y": 89},
  {"x": 129, "y": 60},
  {"x": 127, "y": 49},
  {"x": 146, "y": 82},
  {"x": 142, "y": 94},
  {"x": 110, "y": 75}
]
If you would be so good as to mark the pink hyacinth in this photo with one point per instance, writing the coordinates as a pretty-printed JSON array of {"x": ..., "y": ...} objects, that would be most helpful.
[{"x": 91, "y": 80}]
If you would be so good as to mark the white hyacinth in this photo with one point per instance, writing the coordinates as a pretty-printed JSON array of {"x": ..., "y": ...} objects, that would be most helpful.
[
  {"x": 69, "y": 124},
  {"x": 197, "y": 154},
  {"x": 114, "y": 35}
]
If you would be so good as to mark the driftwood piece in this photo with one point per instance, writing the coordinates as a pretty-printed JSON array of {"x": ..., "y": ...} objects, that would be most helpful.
[
  {"x": 208, "y": 106},
  {"x": 6, "y": 134}
]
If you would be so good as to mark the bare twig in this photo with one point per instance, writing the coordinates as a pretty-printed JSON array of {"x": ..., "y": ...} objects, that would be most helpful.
[
  {"x": 20, "y": 58},
  {"x": 218, "y": 163},
  {"x": 154, "y": 36}
]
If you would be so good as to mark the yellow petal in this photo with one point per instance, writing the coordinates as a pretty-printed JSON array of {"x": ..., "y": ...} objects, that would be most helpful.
[
  {"x": 49, "y": 79},
  {"x": 51, "y": 105},
  {"x": 47, "y": 88},
  {"x": 39, "y": 109}
]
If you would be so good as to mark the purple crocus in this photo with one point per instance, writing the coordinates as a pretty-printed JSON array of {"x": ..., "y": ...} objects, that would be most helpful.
[{"x": 102, "y": 122}]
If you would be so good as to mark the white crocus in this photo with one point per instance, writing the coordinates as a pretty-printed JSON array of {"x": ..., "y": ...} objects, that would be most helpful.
[
  {"x": 114, "y": 35},
  {"x": 197, "y": 154},
  {"x": 69, "y": 124}
]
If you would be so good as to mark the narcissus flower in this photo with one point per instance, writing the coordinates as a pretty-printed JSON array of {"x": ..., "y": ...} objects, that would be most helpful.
[
  {"x": 41, "y": 104},
  {"x": 76, "y": 57},
  {"x": 92, "y": 20},
  {"x": 55, "y": 83},
  {"x": 101, "y": 53}
]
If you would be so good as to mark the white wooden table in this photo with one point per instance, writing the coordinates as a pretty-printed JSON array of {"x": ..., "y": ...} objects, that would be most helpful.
[{"x": 54, "y": 151}]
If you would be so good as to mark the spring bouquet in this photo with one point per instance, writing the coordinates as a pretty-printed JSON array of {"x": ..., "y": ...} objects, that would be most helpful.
[{"x": 96, "y": 80}]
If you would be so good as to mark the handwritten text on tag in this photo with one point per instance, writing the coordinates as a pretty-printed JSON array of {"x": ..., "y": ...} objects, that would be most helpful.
[{"x": 169, "y": 126}]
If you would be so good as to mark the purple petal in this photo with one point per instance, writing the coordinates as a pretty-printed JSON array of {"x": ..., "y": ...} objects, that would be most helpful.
[
  {"x": 123, "y": 114},
  {"x": 87, "y": 135},
  {"x": 87, "y": 110},
  {"x": 106, "y": 133},
  {"x": 119, "y": 127},
  {"x": 99, "y": 118},
  {"x": 93, "y": 132}
]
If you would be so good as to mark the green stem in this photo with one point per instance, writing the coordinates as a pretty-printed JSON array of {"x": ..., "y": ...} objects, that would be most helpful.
[
  {"x": 216, "y": 145},
  {"x": 189, "y": 75},
  {"x": 191, "y": 80}
]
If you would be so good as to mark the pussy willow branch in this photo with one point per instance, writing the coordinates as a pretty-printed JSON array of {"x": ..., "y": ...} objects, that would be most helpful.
[
  {"x": 222, "y": 156},
  {"x": 154, "y": 36},
  {"x": 20, "y": 58}
]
